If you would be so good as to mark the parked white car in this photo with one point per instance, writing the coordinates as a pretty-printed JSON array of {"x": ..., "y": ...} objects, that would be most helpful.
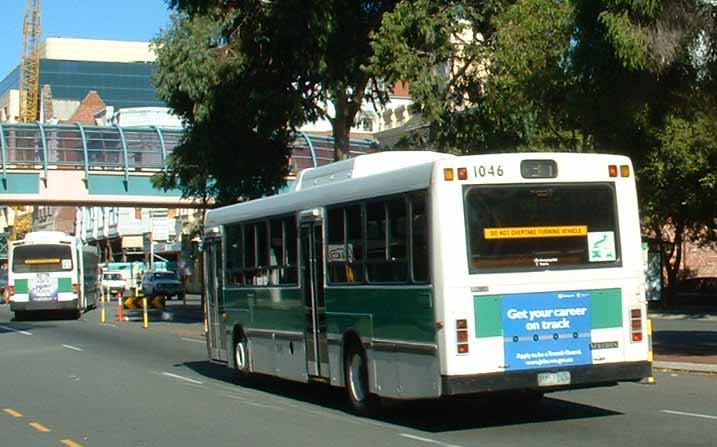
[{"x": 114, "y": 282}]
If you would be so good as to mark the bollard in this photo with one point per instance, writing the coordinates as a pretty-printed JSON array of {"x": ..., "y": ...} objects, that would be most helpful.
[
  {"x": 144, "y": 307},
  {"x": 102, "y": 303},
  {"x": 650, "y": 355},
  {"x": 206, "y": 322},
  {"x": 120, "y": 307}
]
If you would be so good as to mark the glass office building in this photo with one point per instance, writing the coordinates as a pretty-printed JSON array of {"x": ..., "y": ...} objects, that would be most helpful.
[{"x": 119, "y": 84}]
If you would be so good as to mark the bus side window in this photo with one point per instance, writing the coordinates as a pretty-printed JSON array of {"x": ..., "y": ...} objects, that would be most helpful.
[
  {"x": 397, "y": 266},
  {"x": 276, "y": 244},
  {"x": 336, "y": 246},
  {"x": 234, "y": 255},
  {"x": 354, "y": 244},
  {"x": 289, "y": 273},
  {"x": 419, "y": 237}
]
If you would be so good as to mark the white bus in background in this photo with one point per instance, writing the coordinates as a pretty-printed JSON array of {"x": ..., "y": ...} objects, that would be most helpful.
[
  {"x": 418, "y": 275},
  {"x": 49, "y": 270}
]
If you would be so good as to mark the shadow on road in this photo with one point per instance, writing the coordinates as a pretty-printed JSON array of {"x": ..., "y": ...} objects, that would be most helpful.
[
  {"x": 685, "y": 343},
  {"x": 434, "y": 416}
]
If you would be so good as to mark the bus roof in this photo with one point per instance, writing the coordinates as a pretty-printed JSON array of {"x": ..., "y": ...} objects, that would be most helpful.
[
  {"x": 45, "y": 237},
  {"x": 344, "y": 181},
  {"x": 387, "y": 173}
]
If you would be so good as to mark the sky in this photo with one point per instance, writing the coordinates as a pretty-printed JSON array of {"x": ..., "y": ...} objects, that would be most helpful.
[{"x": 92, "y": 19}]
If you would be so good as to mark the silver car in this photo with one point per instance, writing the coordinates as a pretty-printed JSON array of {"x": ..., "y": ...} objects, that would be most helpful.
[{"x": 162, "y": 283}]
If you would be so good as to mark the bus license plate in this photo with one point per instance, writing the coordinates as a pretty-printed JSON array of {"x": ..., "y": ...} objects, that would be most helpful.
[{"x": 554, "y": 379}]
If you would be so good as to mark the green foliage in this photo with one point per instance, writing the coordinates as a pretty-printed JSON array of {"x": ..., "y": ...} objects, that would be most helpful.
[
  {"x": 678, "y": 179},
  {"x": 245, "y": 74},
  {"x": 635, "y": 77}
]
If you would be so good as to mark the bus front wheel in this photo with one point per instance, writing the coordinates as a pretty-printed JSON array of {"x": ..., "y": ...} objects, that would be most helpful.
[
  {"x": 241, "y": 357},
  {"x": 357, "y": 385}
]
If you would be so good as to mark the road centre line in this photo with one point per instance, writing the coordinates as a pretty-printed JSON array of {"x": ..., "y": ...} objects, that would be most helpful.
[
  {"x": 13, "y": 413},
  {"x": 74, "y": 348},
  {"x": 694, "y": 415},
  {"x": 186, "y": 379},
  {"x": 71, "y": 443},
  {"x": 39, "y": 427},
  {"x": 430, "y": 441},
  {"x": 12, "y": 329},
  {"x": 193, "y": 340}
]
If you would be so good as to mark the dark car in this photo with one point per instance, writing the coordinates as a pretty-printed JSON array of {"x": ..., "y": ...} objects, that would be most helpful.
[
  {"x": 162, "y": 283},
  {"x": 701, "y": 290},
  {"x": 3, "y": 285}
]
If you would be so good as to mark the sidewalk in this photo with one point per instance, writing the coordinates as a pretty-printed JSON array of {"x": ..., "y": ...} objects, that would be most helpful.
[{"x": 689, "y": 343}]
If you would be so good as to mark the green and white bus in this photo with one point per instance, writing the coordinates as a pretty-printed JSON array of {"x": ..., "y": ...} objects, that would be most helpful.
[
  {"x": 49, "y": 270},
  {"x": 420, "y": 275}
]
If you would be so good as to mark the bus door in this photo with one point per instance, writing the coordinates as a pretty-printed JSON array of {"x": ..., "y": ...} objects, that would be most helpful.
[
  {"x": 312, "y": 278},
  {"x": 215, "y": 302}
]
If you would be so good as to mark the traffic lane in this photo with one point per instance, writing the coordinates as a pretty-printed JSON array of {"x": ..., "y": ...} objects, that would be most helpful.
[
  {"x": 122, "y": 404},
  {"x": 139, "y": 404},
  {"x": 561, "y": 417},
  {"x": 15, "y": 430},
  {"x": 122, "y": 341}
]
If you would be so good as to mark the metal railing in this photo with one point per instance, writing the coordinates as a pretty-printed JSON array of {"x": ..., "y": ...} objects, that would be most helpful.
[{"x": 92, "y": 148}]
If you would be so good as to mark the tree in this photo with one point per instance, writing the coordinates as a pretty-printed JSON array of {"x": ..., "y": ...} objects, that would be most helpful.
[
  {"x": 636, "y": 78},
  {"x": 679, "y": 188},
  {"x": 245, "y": 74}
]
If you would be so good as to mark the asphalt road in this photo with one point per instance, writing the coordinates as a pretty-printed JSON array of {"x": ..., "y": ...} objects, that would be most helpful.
[{"x": 80, "y": 383}]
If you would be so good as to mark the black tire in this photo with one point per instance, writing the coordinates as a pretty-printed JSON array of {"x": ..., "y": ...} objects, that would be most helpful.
[
  {"x": 241, "y": 358},
  {"x": 20, "y": 315},
  {"x": 362, "y": 402}
]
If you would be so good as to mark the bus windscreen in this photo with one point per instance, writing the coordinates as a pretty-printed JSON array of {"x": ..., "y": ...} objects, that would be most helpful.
[
  {"x": 538, "y": 227},
  {"x": 41, "y": 258}
]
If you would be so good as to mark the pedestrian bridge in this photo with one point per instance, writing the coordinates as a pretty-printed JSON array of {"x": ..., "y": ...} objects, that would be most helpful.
[{"x": 110, "y": 165}]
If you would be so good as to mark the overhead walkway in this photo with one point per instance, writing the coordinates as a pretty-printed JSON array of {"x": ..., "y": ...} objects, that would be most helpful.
[{"x": 93, "y": 165}]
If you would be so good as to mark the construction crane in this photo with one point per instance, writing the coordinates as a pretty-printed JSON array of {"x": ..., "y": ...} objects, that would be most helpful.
[{"x": 30, "y": 64}]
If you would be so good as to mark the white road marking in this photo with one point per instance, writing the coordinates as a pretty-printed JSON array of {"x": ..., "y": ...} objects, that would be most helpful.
[
  {"x": 256, "y": 404},
  {"x": 8, "y": 328},
  {"x": 430, "y": 441},
  {"x": 194, "y": 340},
  {"x": 249, "y": 402},
  {"x": 74, "y": 348},
  {"x": 694, "y": 415},
  {"x": 186, "y": 379}
]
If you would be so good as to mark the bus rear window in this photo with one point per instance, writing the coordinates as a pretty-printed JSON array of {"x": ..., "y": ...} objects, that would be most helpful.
[
  {"x": 41, "y": 258},
  {"x": 540, "y": 227}
]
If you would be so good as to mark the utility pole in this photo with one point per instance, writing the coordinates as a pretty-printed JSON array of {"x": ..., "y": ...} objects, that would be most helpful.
[{"x": 30, "y": 64}]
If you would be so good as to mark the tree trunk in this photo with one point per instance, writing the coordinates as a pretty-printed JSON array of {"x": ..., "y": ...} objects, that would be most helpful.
[
  {"x": 673, "y": 260},
  {"x": 341, "y": 126}
]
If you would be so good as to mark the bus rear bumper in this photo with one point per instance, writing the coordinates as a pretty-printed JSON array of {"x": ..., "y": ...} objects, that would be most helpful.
[
  {"x": 43, "y": 305},
  {"x": 580, "y": 377}
]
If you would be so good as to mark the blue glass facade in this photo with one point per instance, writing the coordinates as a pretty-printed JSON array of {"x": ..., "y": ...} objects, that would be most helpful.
[
  {"x": 11, "y": 81},
  {"x": 119, "y": 84}
]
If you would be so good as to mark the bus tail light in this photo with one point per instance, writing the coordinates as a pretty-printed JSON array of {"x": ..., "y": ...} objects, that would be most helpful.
[
  {"x": 462, "y": 174},
  {"x": 636, "y": 325},
  {"x": 75, "y": 288},
  {"x": 624, "y": 170},
  {"x": 448, "y": 174},
  {"x": 462, "y": 336},
  {"x": 11, "y": 290},
  {"x": 612, "y": 169}
]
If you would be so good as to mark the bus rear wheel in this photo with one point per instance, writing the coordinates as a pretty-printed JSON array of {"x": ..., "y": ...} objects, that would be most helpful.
[{"x": 361, "y": 400}]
